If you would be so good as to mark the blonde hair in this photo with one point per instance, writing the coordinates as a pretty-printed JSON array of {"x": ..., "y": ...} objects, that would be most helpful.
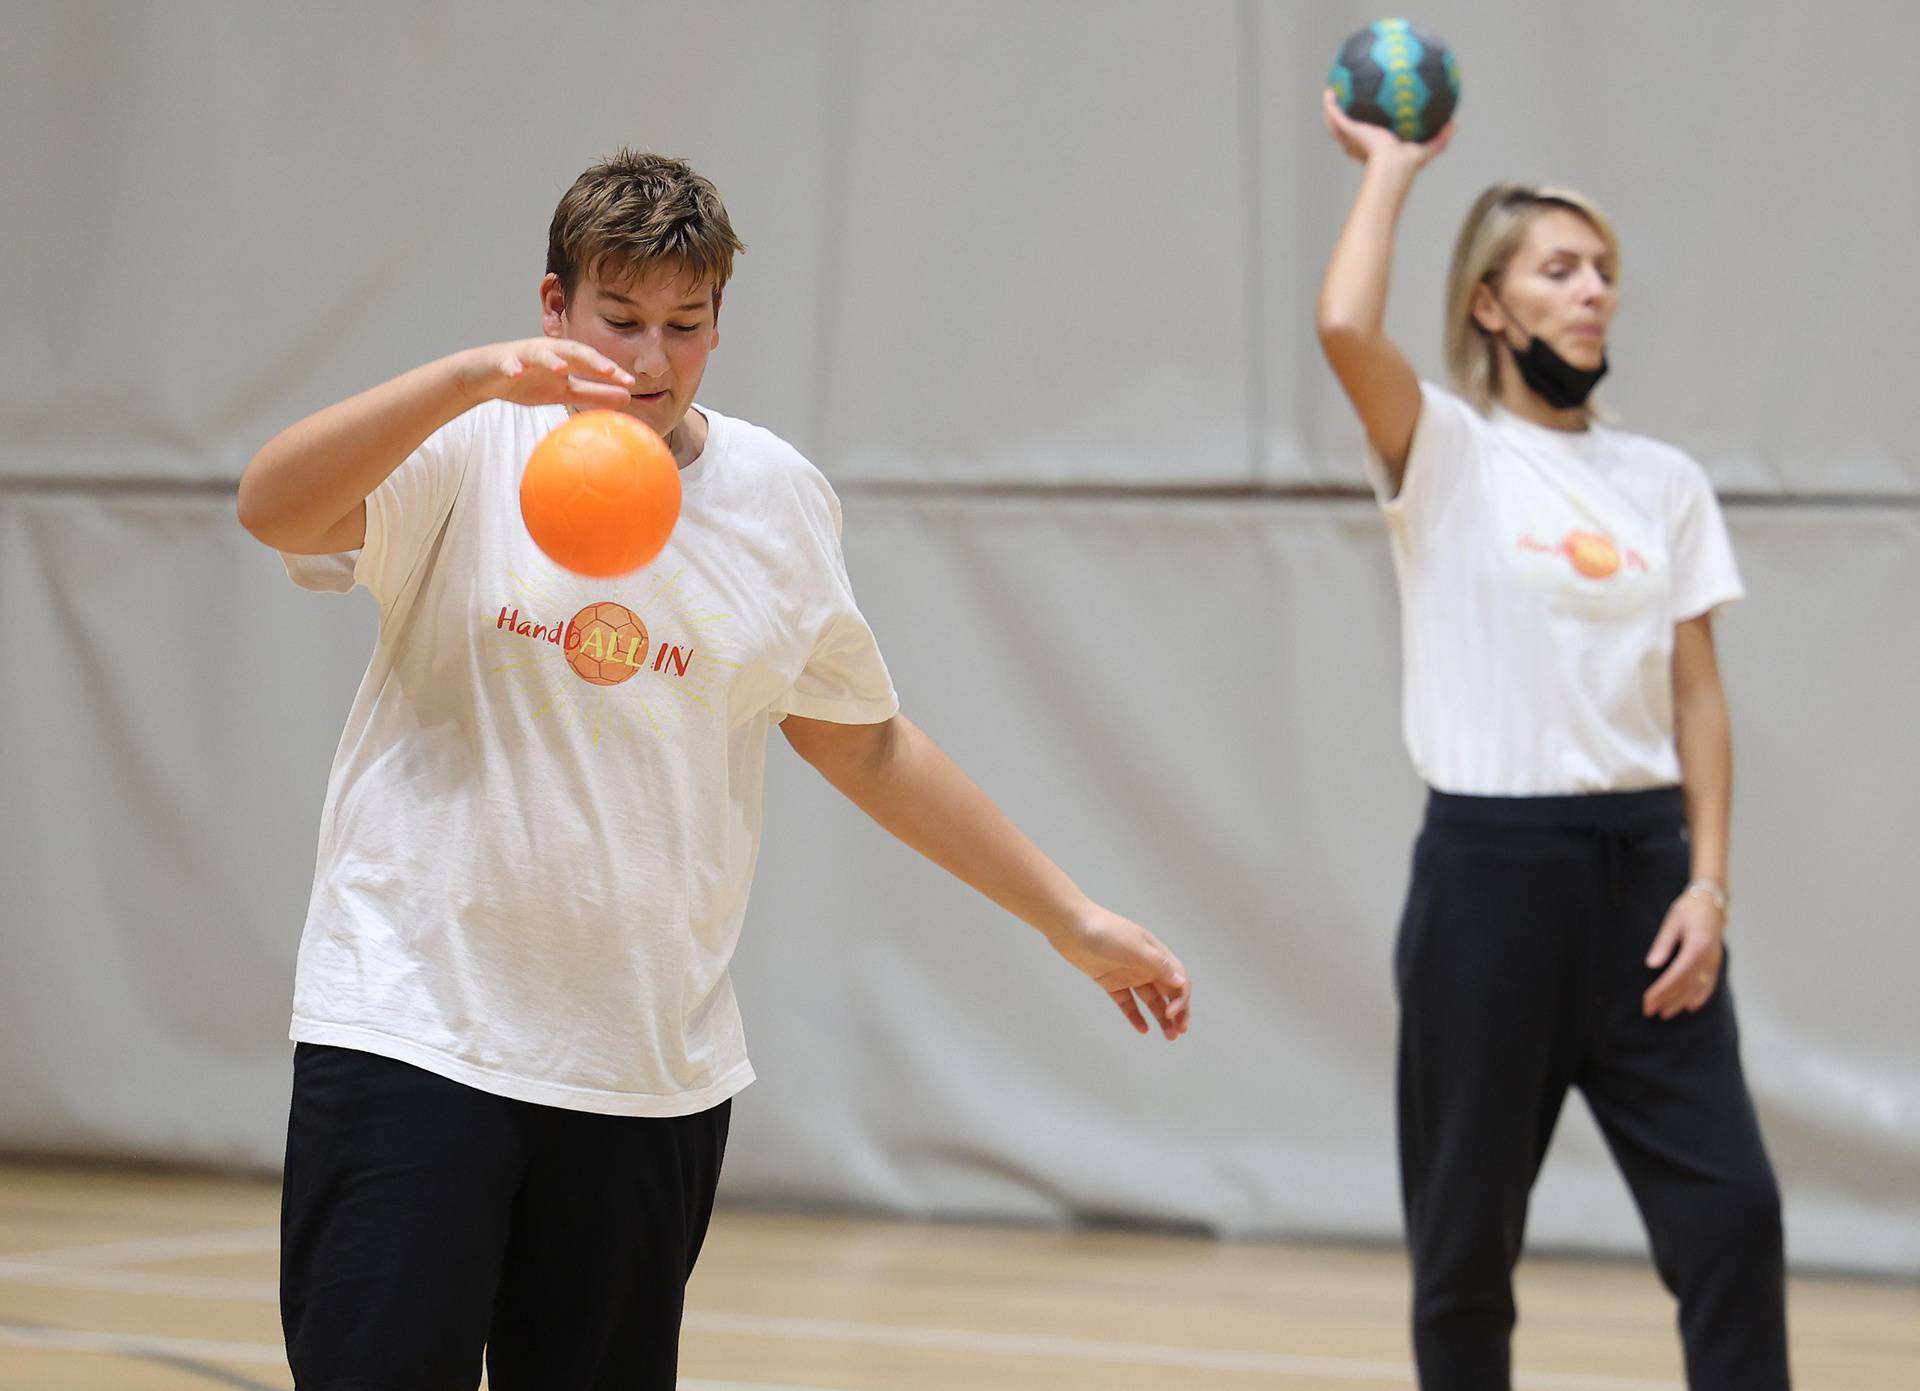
[
  {"x": 1494, "y": 229},
  {"x": 634, "y": 209}
]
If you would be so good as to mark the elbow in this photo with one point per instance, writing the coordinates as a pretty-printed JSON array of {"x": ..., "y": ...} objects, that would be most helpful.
[
  {"x": 1336, "y": 315},
  {"x": 247, "y": 509},
  {"x": 254, "y": 518},
  {"x": 1342, "y": 334},
  {"x": 260, "y": 518}
]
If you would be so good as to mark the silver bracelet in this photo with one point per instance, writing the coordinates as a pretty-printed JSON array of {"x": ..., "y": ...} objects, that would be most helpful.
[{"x": 1711, "y": 890}]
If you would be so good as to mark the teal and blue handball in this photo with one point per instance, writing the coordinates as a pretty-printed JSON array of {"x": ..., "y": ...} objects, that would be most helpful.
[{"x": 1395, "y": 75}]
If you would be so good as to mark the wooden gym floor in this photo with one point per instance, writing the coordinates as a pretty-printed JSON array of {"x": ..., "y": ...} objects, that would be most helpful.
[{"x": 150, "y": 1281}]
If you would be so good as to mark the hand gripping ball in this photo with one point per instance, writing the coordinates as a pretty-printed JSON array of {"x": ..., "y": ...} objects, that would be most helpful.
[
  {"x": 1394, "y": 75},
  {"x": 601, "y": 494}
]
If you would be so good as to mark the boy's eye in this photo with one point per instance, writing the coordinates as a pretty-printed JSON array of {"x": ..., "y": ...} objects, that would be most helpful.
[
  {"x": 619, "y": 325},
  {"x": 683, "y": 328}
]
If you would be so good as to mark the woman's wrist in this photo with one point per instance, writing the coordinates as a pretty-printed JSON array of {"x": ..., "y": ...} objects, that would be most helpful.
[
  {"x": 1711, "y": 889},
  {"x": 1398, "y": 164}
]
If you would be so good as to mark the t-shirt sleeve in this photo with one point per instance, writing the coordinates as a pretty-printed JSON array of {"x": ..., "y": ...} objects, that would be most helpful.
[
  {"x": 844, "y": 678},
  {"x": 323, "y": 574},
  {"x": 1444, "y": 446},
  {"x": 404, "y": 515},
  {"x": 1704, "y": 574}
]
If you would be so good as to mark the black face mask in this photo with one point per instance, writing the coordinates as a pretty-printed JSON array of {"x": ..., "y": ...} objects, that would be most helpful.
[{"x": 1555, "y": 380}]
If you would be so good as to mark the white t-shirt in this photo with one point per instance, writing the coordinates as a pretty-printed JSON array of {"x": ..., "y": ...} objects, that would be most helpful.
[
  {"x": 1542, "y": 573},
  {"x": 543, "y": 816}
]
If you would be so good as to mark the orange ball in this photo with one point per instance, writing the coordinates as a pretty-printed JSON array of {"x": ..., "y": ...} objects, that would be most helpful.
[{"x": 601, "y": 494}]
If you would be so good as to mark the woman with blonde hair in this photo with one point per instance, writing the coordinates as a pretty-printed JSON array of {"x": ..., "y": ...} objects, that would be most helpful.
[{"x": 1564, "y": 927}]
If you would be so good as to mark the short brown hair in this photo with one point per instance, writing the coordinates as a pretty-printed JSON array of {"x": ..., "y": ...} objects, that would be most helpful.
[{"x": 635, "y": 209}]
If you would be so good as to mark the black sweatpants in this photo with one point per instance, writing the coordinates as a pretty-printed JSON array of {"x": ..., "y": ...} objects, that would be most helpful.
[
  {"x": 423, "y": 1220},
  {"x": 1520, "y": 966}
]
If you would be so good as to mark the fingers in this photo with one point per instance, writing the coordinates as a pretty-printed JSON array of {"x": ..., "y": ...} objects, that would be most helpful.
[
  {"x": 543, "y": 370},
  {"x": 1662, "y": 997},
  {"x": 1157, "y": 1005},
  {"x": 1169, "y": 993},
  {"x": 580, "y": 393},
  {"x": 1665, "y": 941},
  {"x": 1683, "y": 987},
  {"x": 1704, "y": 984},
  {"x": 1174, "y": 992},
  {"x": 589, "y": 362},
  {"x": 1124, "y": 999},
  {"x": 1668, "y": 950},
  {"x": 532, "y": 356},
  {"x": 1169, "y": 1013},
  {"x": 1338, "y": 123}
]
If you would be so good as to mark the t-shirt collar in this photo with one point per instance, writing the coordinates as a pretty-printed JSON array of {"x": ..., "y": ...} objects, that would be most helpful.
[
  {"x": 1566, "y": 439},
  {"x": 703, "y": 461}
]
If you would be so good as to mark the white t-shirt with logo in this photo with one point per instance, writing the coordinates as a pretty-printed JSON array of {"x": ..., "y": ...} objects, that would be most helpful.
[
  {"x": 1542, "y": 573},
  {"x": 543, "y": 816}
]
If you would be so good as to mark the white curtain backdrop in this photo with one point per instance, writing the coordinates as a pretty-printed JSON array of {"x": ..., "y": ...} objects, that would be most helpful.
[{"x": 1034, "y": 286}]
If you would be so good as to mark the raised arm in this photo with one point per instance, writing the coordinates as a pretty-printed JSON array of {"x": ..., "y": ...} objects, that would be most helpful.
[
  {"x": 1351, "y": 317},
  {"x": 306, "y": 490}
]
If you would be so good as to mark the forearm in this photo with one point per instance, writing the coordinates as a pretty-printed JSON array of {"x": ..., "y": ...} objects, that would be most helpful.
[
  {"x": 918, "y": 794},
  {"x": 1704, "y": 735},
  {"x": 313, "y": 473},
  {"x": 1353, "y": 293}
]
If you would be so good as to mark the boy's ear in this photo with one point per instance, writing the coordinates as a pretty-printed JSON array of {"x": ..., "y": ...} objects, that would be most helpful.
[{"x": 553, "y": 306}]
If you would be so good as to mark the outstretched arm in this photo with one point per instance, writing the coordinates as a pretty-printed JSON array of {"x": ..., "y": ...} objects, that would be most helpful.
[{"x": 896, "y": 774}]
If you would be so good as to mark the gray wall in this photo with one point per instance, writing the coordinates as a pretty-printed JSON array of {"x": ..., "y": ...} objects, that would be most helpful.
[{"x": 992, "y": 246}]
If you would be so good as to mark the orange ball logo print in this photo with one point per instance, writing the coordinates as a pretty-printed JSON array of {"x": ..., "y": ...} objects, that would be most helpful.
[
  {"x": 1596, "y": 557},
  {"x": 606, "y": 643},
  {"x": 608, "y": 669},
  {"x": 1592, "y": 555}
]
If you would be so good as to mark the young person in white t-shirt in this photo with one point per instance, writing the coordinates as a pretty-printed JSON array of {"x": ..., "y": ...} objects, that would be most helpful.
[
  {"x": 1564, "y": 928},
  {"x": 516, "y": 1036}
]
